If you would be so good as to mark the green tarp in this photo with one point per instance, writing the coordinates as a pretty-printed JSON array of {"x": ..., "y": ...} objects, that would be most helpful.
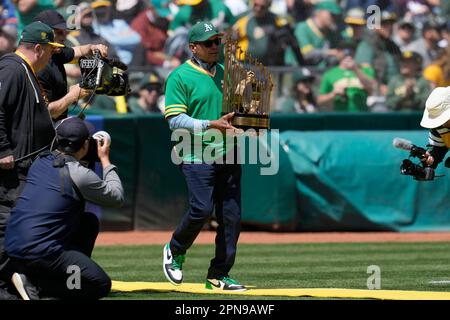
[
  {"x": 350, "y": 180},
  {"x": 124, "y": 154},
  {"x": 268, "y": 200}
]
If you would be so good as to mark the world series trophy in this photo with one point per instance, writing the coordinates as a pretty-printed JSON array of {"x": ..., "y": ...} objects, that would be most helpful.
[{"x": 247, "y": 88}]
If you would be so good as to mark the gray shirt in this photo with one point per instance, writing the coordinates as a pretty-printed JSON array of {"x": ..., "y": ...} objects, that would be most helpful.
[
  {"x": 420, "y": 47},
  {"x": 106, "y": 192}
]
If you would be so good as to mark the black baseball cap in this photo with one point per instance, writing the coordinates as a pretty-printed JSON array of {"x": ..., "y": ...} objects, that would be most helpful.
[
  {"x": 71, "y": 133},
  {"x": 52, "y": 18}
]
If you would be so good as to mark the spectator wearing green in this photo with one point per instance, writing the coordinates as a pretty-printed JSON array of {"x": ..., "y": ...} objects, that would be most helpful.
[
  {"x": 346, "y": 86},
  {"x": 192, "y": 11},
  {"x": 378, "y": 50},
  {"x": 27, "y": 10},
  {"x": 318, "y": 35},
  {"x": 264, "y": 35},
  {"x": 355, "y": 25},
  {"x": 408, "y": 90}
]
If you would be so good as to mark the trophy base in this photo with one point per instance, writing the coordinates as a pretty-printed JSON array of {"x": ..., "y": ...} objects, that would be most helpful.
[{"x": 251, "y": 121}]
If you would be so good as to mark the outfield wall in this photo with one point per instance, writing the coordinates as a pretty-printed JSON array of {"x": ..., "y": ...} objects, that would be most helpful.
[{"x": 337, "y": 172}]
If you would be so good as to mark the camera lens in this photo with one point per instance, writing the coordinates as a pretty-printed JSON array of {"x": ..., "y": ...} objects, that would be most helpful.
[{"x": 417, "y": 171}]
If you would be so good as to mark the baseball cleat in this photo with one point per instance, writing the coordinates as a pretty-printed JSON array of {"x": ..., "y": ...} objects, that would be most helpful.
[
  {"x": 173, "y": 266},
  {"x": 25, "y": 288},
  {"x": 224, "y": 284}
]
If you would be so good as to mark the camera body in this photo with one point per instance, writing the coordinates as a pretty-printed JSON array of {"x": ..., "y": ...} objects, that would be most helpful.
[
  {"x": 97, "y": 73},
  {"x": 100, "y": 137},
  {"x": 419, "y": 172}
]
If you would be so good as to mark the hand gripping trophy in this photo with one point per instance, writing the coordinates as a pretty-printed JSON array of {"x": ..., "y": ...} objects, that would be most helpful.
[{"x": 246, "y": 89}]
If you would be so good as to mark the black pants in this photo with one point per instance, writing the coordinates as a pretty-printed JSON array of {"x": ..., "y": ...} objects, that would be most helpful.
[
  {"x": 12, "y": 183},
  {"x": 215, "y": 186},
  {"x": 71, "y": 274}
]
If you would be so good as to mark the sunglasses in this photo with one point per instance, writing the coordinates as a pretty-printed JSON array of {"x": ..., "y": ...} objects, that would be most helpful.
[{"x": 209, "y": 43}]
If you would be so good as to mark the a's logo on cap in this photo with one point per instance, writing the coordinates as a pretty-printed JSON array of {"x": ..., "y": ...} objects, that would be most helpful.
[
  {"x": 153, "y": 78},
  {"x": 208, "y": 27},
  {"x": 43, "y": 35}
]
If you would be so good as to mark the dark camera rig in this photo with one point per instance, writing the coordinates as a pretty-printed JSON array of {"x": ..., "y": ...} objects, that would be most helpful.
[
  {"x": 420, "y": 172},
  {"x": 98, "y": 74},
  {"x": 91, "y": 157}
]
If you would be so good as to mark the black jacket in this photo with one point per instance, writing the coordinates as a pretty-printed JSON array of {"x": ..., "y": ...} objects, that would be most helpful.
[
  {"x": 25, "y": 122},
  {"x": 53, "y": 77}
]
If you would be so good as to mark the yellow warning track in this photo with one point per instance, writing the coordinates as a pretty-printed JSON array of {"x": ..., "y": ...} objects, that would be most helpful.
[{"x": 315, "y": 293}]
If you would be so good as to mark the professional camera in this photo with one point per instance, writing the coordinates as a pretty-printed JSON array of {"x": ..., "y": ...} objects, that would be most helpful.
[
  {"x": 100, "y": 137},
  {"x": 97, "y": 73},
  {"x": 420, "y": 172}
]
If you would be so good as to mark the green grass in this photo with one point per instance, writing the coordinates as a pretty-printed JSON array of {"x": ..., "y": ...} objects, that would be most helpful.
[{"x": 404, "y": 266}]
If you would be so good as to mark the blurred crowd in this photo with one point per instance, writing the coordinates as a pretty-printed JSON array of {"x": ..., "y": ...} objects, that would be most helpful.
[{"x": 327, "y": 55}]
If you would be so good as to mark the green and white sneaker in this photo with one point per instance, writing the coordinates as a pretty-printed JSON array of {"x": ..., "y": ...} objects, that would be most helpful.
[
  {"x": 173, "y": 266},
  {"x": 224, "y": 284}
]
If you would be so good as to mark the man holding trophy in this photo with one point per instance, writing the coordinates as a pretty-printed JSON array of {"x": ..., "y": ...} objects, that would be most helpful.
[{"x": 194, "y": 103}]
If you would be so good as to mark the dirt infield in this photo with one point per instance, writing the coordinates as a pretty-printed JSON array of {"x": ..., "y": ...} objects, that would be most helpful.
[{"x": 161, "y": 237}]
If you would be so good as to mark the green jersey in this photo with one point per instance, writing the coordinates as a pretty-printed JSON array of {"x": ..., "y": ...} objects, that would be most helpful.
[
  {"x": 356, "y": 95},
  {"x": 215, "y": 10},
  {"x": 310, "y": 38},
  {"x": 192, "y": 90},
  {"x": 24, "y": 19}
]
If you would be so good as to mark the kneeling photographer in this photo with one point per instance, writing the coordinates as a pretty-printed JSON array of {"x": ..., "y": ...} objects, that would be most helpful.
[
  {"x": 49, "y": 237},
  {"x": 436, "y": 117}
]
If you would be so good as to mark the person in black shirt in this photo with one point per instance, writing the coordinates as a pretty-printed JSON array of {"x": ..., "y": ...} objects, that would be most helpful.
[
  {"x": 53, "y": 77},
  {"x": 26, "y": 127}
]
